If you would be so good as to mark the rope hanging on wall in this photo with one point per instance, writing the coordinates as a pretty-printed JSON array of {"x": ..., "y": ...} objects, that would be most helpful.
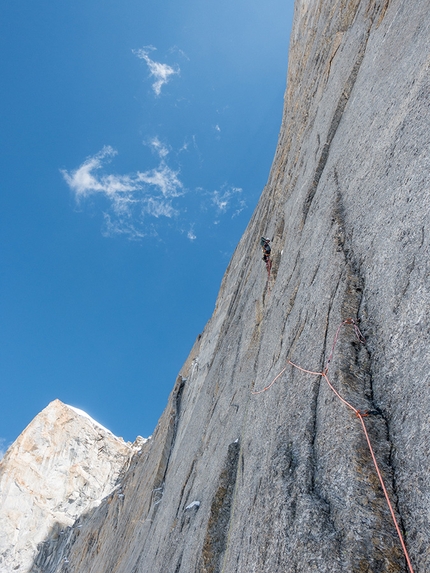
[{"x": 361, "y": 414}]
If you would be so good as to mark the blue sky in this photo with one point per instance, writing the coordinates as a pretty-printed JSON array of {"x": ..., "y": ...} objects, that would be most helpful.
[{"x": 136, "y": 139}]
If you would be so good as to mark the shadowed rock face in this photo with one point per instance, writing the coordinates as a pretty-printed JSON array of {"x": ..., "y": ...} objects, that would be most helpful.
[{"x": 283, "y": 481}]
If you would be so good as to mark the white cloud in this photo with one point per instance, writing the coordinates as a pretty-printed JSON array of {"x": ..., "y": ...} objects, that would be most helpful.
[
  {"x": 158, "y": 147},
  {"x": 164, "y": 178},
  {"x": 83, "y": 181},
  {"x": 220, "y": 201},
  {"x": 132, "y": 203},
  {"x": 227, "y": 198},
  {"x": 159, "y": 208},
  {"x": 177, "y": 50},
  {"x": 191, "y": 235},
  {"x": 119, "y": 226},
  {"x": 131, "y": 197},
  {"x": 160, "y": 72}
]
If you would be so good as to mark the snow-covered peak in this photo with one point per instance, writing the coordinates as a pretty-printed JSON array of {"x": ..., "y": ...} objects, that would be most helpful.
[
  {"x": 61, "y": 465},
  {"x": 88, "y": 417}
]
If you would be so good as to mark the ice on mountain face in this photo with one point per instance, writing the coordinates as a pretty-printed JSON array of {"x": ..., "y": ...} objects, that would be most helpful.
[
  {"x": 193, "y": 504},
  {"x": 63, "y": 464}
]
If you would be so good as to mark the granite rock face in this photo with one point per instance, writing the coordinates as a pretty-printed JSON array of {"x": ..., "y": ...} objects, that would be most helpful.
[
  {"x": 62, "y": 465},
  {"x": 282, "y": 481}
]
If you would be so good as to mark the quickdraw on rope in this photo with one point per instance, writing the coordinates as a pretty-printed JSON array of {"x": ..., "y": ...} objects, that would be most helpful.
[{"x": 360, "y": 415}]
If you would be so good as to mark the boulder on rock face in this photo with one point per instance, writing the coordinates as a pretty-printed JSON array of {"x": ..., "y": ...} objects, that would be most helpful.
[{"x": 61, "y": 465}]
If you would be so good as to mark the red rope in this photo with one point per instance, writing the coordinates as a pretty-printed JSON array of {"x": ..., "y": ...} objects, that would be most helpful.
[
  {"x": 359, "y": 415},
  {"x": 271, "y": 384}
]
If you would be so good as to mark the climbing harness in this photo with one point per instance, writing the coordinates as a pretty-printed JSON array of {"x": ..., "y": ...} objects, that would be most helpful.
[{"x": 361, "y": 414}]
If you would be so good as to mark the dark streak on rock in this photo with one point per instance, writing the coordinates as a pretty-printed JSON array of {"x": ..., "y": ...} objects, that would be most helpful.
[
  {"x": 341, "y": 105},
  {"x": 215, "y": 542}
]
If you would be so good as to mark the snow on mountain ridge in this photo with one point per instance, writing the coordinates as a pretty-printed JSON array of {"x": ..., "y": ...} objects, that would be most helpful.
[
  {"x": 85, "y": 415},
  {"x": 137, "y": 443}
]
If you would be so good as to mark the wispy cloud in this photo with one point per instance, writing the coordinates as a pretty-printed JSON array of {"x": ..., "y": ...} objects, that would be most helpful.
[
  {"x": 191, "y": 235},
  {"x": 227, "y": 198},
  {"x": 132, "y": 204},
  {"x": 158, "y": 147},
  {"x": 131, "y": 197},
  {"x": 160, "y": 72},
  {"x": 158, "y": 208},
  {"x": 176, "y": 50},
  {"x": 163, "y": 179},
  {"x": 122, "y": 226},
  {"x": 84, "y": 180}
]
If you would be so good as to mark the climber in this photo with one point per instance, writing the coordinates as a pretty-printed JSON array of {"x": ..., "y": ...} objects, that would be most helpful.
[{"x": 264, "y": 243}]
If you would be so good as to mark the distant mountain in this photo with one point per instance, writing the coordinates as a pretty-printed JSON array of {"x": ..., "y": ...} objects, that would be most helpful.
[
  {"x": 261, "y": 461},
  {"x": 62, "y": 465}
]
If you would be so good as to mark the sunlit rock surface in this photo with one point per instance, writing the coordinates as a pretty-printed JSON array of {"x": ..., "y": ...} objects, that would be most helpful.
[
  {"x": 282, "y": 481},
  {"x": 63, "y": 464}
]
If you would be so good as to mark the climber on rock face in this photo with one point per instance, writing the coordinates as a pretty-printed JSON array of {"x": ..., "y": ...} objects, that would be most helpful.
[
  {"x": 267, "y": 249},
  {"x": 264, "y": 243}
]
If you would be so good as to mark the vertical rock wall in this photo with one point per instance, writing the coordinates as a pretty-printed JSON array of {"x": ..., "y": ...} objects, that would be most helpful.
[{"x": 282, "y": 481}]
